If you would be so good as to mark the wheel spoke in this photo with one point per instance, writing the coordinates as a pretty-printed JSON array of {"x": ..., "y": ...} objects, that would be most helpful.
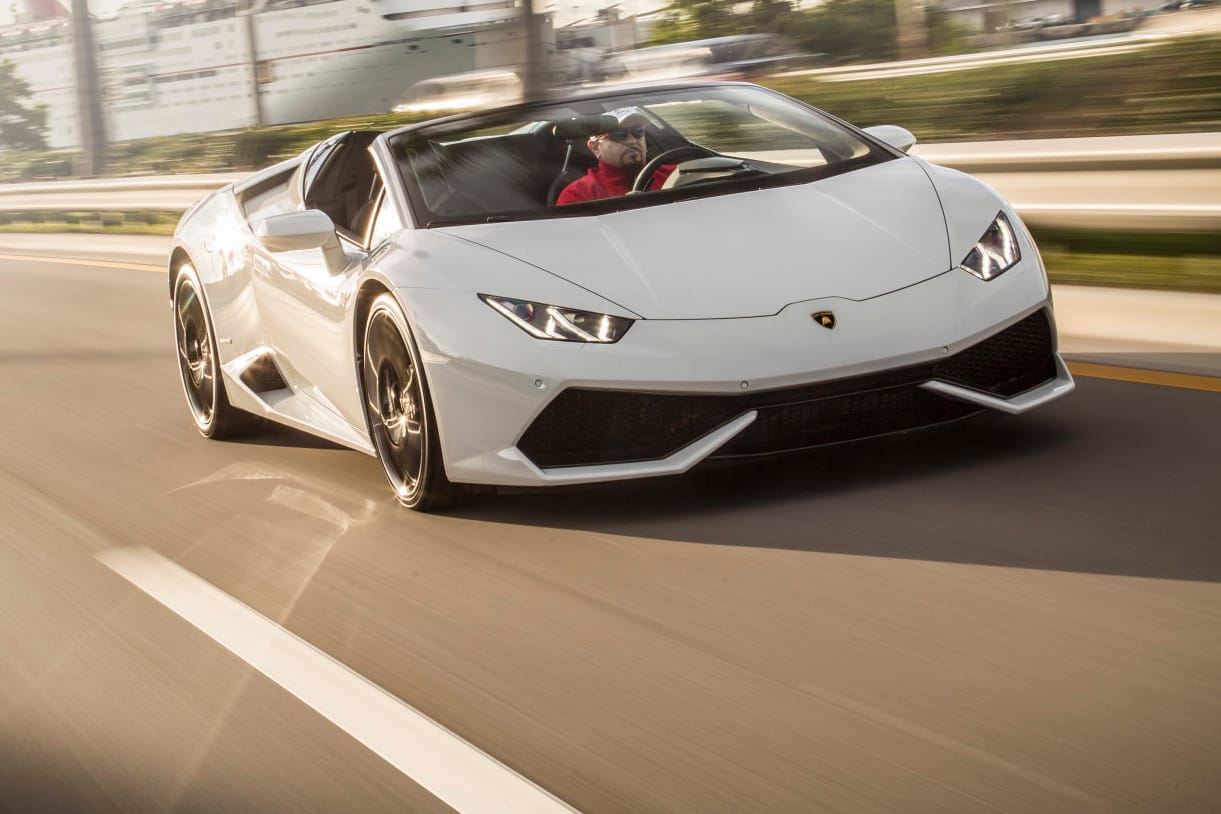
[
  {"x": 394, "y": 400},
  {"x": 194, "y": 352},
  {"x": 187, "y": 302},
  {"x": 396, "y": 426},
  {"x": 412, "y": 449}
]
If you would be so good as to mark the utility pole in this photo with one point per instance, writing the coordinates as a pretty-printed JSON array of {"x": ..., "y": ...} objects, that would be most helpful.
[
  {"x": 252, "y": 46},
  {"x": 911, "y": 29},
  {"x": 92, "y": 158},
  {"x": 534, "y": 80}
]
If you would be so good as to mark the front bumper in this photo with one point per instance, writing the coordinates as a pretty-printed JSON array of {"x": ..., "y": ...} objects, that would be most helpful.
[{"x": 519, "y": 411}]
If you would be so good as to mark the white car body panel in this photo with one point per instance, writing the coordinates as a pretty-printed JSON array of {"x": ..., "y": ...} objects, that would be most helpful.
[
  {"x": 484, "y": 404},
  {"x": 1061, "y": 385},
  {"x": 856, "y": 236},
  {"x": 970, "y": 205}
]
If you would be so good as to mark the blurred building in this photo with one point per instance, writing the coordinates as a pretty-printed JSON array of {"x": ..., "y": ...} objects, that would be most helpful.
[
  {"x": 737, "y": 56},
  {"x": 1038, "y": 15},
  {"x": 583, "y": 46},
  {"x": 198, "y": 65},
  {"x": 607, "y": 30}
]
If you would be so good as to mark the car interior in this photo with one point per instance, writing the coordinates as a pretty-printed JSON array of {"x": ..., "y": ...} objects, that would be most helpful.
[
  {"x": 512, "y": 172},
  {"x": 346, "y": 184},
  {"x": 491, "y": 174}
]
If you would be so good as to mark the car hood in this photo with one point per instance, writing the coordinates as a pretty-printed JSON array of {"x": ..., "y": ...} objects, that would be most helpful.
[{"x": 856, "y": 236}]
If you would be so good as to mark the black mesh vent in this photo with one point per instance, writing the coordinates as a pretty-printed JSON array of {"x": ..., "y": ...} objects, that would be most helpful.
[
  {"x": 262, "y": 375},
  {"x": 581, "y": 427},
  {"x": 843, "y": 418},
  {"x": 1006, "y": 363},
  {"x": 603, "y": 426}
]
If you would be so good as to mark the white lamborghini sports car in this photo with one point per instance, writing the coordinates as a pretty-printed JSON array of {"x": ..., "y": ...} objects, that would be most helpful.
[{"x": 418, "y": 295}]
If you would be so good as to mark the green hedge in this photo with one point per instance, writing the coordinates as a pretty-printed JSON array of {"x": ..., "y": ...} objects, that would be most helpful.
[
  {"x": 144, "y": 222},
  {"x": 1170, "y": 88},
  {"x": 1179, "y": 261},
  {"x": 223, "y": 151}
]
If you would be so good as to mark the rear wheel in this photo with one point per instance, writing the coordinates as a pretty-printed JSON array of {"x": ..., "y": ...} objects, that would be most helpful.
[
  {"x": 400, "y": 412},
  {"x": 199, "y": 365}
]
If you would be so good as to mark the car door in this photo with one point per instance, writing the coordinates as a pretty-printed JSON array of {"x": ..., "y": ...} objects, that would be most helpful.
[{"x": 304, "y": 303}]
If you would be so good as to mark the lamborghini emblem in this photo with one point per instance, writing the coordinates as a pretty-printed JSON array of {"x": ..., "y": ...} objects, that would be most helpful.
[{"x": 825, "y": 319}]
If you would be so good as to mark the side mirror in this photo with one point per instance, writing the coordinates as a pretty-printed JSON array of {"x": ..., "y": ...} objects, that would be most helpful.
[
  {"x": 298, "y": 231},
  {"x": 898, "y": 137}
]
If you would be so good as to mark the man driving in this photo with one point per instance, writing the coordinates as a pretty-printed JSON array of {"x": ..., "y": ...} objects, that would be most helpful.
[{"x": 621, "y": 153}]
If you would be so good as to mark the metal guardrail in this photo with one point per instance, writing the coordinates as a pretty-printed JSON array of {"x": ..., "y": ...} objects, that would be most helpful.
[
  {"x": 1143, "y": 183},
  {"x": 166, "y": 193},
  {"x": 1094, "y": 153}
]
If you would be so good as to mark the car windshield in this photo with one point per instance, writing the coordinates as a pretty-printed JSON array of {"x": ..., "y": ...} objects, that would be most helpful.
[{"x": 512, "y": 164}]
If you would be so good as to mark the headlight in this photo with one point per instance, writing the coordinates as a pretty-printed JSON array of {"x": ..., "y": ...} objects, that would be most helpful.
[
  {"x": 553, "y": 322},
  {"x": 996, "y": 252}
]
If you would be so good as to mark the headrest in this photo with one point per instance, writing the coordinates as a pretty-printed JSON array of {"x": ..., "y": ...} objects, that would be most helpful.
[{"x": 583, "y": 127}]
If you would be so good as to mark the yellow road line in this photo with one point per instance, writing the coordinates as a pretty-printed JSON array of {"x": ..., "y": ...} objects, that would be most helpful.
[
  {"x": 74, "y": 261},
  {"x": 1130, "y": 374}
]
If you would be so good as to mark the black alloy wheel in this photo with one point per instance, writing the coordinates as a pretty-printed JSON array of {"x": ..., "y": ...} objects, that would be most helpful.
[
  {"x": 214, "y": 417},
  {"x": 400, "y": 412}
]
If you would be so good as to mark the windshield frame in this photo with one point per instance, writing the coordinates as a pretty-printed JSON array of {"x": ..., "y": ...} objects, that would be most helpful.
[{"x": 423, "y": 216}]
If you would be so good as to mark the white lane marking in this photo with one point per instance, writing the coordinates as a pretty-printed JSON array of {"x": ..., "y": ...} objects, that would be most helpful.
[{"x": 455, "y": 771}]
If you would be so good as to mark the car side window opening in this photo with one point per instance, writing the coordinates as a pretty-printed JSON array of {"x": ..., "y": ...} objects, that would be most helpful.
[
  {"x": 343, "y": 182},
  {"x": 385, "y": 223},
  {"x": 362, "y": 217},
  {"x": 272, "y": 196}
]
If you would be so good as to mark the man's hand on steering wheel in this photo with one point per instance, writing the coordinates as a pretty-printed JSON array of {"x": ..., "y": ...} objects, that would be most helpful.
[{"x": 668, "y": 157}]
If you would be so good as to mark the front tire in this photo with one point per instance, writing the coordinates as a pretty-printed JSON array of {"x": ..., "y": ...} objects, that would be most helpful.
[
  {"x": 199, "y": 366},
  {"x": 399, "y": 410}
]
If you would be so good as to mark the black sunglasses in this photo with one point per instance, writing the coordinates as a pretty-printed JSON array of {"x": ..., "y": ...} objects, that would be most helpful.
[{"x": 620, "y": 134}]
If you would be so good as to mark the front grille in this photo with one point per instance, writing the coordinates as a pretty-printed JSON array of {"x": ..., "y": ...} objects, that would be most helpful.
[
  {"x": 581, "y": 426},
  {"x": 603, "y": 426},
  {"x": 849, "y": 417}
]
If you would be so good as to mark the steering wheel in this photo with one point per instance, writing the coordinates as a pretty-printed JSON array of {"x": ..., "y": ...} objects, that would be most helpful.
[{"x": 646, "y": 172}]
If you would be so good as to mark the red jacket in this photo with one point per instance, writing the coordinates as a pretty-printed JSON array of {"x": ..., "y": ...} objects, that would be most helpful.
[{"x": 606, "y": 181}]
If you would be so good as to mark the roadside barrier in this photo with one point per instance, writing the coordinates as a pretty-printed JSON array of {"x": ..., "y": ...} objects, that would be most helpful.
[{"x": 1051, "y": 182}]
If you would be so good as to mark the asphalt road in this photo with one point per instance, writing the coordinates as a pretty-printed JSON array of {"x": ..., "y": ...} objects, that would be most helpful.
[{"x": 1019, "y": 615}]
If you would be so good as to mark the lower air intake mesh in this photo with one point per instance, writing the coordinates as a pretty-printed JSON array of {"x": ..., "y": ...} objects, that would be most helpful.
[
  {"x": 1007, "y": 363},
  {"x": 581, "y": 426}
]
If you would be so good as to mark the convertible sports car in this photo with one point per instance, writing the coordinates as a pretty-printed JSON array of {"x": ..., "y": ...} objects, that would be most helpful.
[{"x": 417, "y": 295}]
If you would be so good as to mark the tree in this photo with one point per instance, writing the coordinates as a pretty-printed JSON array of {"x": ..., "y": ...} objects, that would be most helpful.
[
  {"x": 850, "y": 30},
  {"x": 770, "y": 17},
  {"x": 946, "y": 35},
  {"x": 23, "y": 126},
  {"x": 686, "y": 20}
]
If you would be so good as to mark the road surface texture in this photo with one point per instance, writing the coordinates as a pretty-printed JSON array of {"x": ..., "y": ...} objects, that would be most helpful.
[{"x": 1017, "y": 615}]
